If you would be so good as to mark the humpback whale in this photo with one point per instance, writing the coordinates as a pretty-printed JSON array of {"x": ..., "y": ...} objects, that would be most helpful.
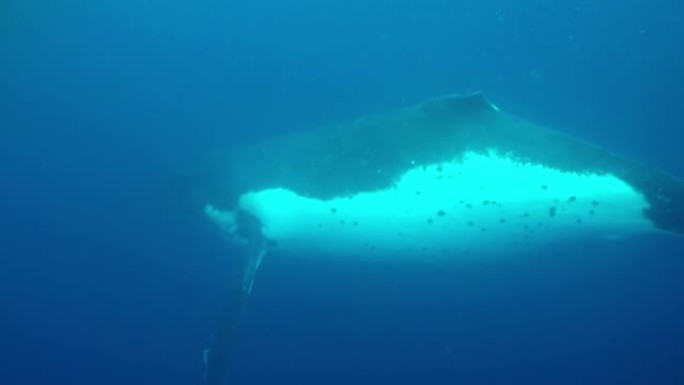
[{"x": 453, "y": 177}]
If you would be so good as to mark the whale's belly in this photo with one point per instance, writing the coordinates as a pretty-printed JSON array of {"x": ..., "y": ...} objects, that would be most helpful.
[{"x": 480, "y": 203}]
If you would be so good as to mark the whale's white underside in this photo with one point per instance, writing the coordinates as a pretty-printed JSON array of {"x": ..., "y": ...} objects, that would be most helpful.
[{"x": 475, "y": 204}]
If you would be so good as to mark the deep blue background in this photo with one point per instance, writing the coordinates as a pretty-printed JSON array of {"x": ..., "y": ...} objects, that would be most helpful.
[{"x": 101, "y": 102}]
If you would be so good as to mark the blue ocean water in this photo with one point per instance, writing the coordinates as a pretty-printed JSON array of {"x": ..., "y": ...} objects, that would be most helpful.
[{"x": 102, "y": 102}]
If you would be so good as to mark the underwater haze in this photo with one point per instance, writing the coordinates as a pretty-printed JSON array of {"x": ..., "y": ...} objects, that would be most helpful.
[{"x": 105, "y": 278}]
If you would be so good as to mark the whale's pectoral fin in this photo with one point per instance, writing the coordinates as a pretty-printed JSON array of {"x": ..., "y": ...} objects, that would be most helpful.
[{"x": 218, "y": 357}]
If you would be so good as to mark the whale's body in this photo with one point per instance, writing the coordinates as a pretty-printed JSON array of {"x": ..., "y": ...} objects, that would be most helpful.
[{"x": 454, "y": 177}]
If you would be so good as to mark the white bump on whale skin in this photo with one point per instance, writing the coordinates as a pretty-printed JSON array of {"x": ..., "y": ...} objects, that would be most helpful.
[
  {"x": 480, "y": 203},
  {"x": 227, "y": 222}
]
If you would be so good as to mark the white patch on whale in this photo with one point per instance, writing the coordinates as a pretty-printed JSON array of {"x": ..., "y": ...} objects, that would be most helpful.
[{"x": 475, "y": 204}]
